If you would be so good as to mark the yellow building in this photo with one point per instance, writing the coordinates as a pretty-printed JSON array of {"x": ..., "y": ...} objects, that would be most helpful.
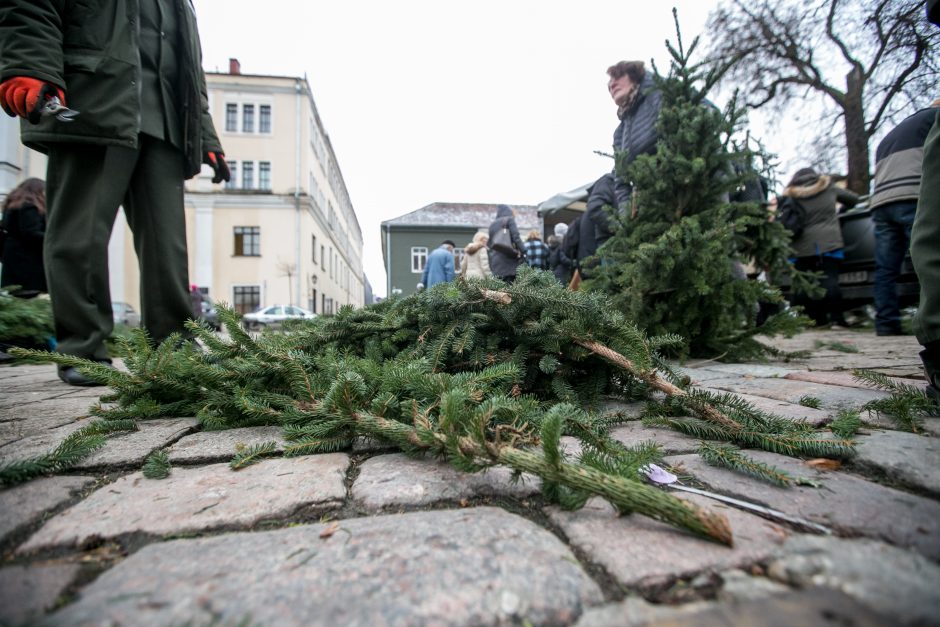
[{"x": 283, "y": 231}]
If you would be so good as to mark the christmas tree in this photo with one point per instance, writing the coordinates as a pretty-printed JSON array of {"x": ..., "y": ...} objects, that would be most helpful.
[{"x": 676, "y": 262}]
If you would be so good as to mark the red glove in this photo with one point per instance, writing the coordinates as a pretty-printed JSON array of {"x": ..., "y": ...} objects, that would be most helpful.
[
  {"x": 217, "y": 161},
  {"x": 23, "y": 96}
]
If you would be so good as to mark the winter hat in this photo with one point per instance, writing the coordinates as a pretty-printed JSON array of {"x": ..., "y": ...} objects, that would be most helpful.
[
  {"x": 560, "y": 229},
  {"x": 804, "y": 176}
]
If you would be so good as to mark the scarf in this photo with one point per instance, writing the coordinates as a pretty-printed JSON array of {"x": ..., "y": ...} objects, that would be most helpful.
[{"x": 623, "y": 109}]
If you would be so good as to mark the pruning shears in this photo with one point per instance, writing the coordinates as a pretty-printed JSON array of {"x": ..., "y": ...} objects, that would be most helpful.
[{"x": 54, "y": 106}]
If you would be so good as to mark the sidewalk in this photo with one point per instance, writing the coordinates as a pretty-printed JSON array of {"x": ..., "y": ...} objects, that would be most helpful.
[{"x": 371, "y": 537}]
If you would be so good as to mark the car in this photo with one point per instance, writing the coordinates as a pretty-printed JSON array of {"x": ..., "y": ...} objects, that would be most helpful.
[
  {"x": 857, "y": 271},
  {"x": 210, "y": 316},
  {"x": 274, "y": 316},
  {"x": 125, "y": 314}
]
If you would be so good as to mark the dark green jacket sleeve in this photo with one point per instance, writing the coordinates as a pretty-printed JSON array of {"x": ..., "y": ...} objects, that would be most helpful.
[{"x": 31, "y": 40}]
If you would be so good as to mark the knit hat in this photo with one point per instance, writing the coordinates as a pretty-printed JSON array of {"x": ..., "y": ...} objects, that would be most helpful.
[
  {"x": 804, "y": 176},
  {"x": 560, "y": 229}
]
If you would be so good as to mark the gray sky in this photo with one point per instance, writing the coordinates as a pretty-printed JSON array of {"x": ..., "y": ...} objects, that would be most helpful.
[{"x": 489, "y": 101}]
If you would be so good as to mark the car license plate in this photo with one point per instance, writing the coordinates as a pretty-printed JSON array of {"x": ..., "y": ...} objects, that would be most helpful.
[{"x": 853, "y": 277}]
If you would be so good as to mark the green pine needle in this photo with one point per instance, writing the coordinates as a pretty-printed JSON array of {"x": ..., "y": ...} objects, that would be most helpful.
[
  {"x": 846, "y": 424},
  {"x": 726, "y": 456},
  {"x": 249, "y": 455},
  {"x": 810, "y": 401},
  {"x": 907, "y": 406},
  {"x": 157, "y": 465}
]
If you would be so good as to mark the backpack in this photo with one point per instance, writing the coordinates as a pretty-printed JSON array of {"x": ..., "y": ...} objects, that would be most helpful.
[
  {"x": 792, "y": 215},
  {"x": 502, "y": 240}
]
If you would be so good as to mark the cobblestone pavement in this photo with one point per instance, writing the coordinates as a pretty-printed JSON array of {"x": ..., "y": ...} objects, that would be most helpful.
[{"x": 370, "y": 537}]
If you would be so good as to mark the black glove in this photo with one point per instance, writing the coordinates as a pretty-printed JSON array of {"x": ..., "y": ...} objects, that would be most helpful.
[{"x": 217, "y": 161}]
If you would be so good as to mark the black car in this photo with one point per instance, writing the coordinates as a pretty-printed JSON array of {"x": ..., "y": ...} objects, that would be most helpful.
[{"x": 857, "y": 273}]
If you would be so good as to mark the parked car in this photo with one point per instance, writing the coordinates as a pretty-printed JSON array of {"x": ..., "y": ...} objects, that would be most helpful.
[
  {"x": 274, "y": 315},
  {"x": 125, "y": 314},
  {"x": 857, "y": 273},
  {"x": 210, "y": 316}
]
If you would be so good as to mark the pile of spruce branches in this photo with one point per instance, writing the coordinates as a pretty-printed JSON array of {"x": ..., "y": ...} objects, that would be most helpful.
[{"x": 476, "y": 372}]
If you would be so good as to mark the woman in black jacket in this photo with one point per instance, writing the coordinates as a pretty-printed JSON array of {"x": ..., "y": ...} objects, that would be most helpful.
[
  {"x": 818, "y": 247},
  {"x": 24, "y": 220},
  {"x": 503, "y": 263}
]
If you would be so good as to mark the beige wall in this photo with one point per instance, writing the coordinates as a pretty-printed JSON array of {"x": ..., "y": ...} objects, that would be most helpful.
[{"x": 296, "y": 209}]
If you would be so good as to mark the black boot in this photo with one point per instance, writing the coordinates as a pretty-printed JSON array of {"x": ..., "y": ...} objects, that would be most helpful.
[{"x": 931, "y": 358}]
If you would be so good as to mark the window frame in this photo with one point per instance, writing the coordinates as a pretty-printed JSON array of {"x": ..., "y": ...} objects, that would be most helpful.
[
  {"x": 254, "y": 289},
  {"x": 419, "y": 259},
  {"x": 246, "y": 238}
]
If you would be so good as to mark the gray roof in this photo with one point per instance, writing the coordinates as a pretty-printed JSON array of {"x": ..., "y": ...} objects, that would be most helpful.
[{"x": 463, "y": 214}]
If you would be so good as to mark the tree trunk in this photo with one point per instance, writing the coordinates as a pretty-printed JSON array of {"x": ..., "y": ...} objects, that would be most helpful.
[{"x": 856, "y": 140}]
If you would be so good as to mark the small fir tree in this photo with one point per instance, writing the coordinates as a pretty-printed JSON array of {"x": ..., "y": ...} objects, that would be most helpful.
[{"x": 675, "y": 264}]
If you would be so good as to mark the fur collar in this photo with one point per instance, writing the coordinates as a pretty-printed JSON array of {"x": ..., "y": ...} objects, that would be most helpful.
[
  {"x": 808, "y": 191},
  {"x": 472, "y": 247}
]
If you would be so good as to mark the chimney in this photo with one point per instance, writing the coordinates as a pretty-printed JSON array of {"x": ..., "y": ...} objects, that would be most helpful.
[{"x": 234, "y": 67}]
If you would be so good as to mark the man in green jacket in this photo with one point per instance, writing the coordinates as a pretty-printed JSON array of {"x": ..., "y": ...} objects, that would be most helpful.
[{"x": 133, "y": 71}]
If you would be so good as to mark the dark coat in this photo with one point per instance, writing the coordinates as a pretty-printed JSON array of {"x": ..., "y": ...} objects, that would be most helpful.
[
  {"x": 91, "y": 50},
  {"x": 587, "y": 244},
  {"x": 822, "y": 232},
  {"x": 602, "y": 195},
  {"x": 22, "y": 251},
  {"x": 501, "y": 264},
  {"x": 636, "y": 134},
  {"x": 572, "y": 240},
  {"x": 559, "y": 263}
]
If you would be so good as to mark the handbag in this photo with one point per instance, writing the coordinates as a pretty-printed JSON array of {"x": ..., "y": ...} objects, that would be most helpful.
[{"x": 502, "y": 240}]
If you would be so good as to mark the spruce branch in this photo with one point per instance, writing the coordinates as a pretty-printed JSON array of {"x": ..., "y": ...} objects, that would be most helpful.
[
  {"x": 907, "y": 405},
  {"x": 157, "y": 465},
  {"x": 726, "y": 456},
  {"x": 249, "y": 455}
]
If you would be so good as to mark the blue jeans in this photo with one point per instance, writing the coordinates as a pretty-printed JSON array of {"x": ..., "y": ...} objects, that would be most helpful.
[{"x": 892, "y": 240}]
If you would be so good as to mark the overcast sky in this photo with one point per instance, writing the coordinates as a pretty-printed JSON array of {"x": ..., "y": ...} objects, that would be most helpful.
[{"x": 488, "y": 102}]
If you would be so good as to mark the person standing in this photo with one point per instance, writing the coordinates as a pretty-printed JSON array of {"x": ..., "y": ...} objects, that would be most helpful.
[
  {"x": 536, "y": 252},
  {"x": 925, "y": 253},
  {"x": 558, "y": 262},
  {"x": 819, "y": 246},
  {"x": 898, "y": 167},
  {"x": 133, "y": 71},
  {"x": 476, "y": 262},
  {"x": 439, "y": 268},
  {"x": 505, "y": 259},
  {"x": 24, "y": 220}
]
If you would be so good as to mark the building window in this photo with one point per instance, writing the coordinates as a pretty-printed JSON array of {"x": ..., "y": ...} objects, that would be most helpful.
[
  {"x": 458, "y": 258},
  {"x": 232, "y": 182},
  {"x": 231, "y": 117},
  {"x": 248, "y": 118},
  {"x": 331, "y": 263},
  {"x": 312, "y": 303},
  {"x": 419, "y": 257},
  {"x": 248, "y": 174},
  {"x": 323, "y": 258},
  {"x": 264, "y": 118},
  {"x": 247, "y": 241},
  {"x": 313, "y": 248},
  {"x": 264, "y": 175},
  {"x": 246, "y": 298}
]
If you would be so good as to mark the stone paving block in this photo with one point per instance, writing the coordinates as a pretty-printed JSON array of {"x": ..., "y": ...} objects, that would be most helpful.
[
  {"x": 215, "y": 446},
  {"x": 476, "y": 566},
  {"x": 133, "y": 447},
  {"x": 27, "y": 592},
  {"x": 122, "y": 449},
  {"x": 758, "y": 371},
  {"x": 26, "y": 503},
  {"x": 906, "y": 458},
  {"x": 639, "y": 551},
  {"x": 892, "y": 581},
  {"x": 671, "y": 442},
  {"x": 699, "y": 375},
  {"x": 845, "y": 502},
  {"x": 198, "y": 499},
  {"x": 831, "y": 397},
  {"x": 45, "y": 414},
  {"x": 845, "y": 379},
  {"x": 816, "y": 606},
  {"x": 397, "y": 480}
]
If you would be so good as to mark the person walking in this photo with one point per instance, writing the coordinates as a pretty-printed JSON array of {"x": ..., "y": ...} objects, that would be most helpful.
[
  {"x": 819, "y": 246},
  {"x": 898, "y": 169},
  {"x": 506, "y": 250},
  {"x": 476, "y": 259},
  {"x": 536, "y": 252},
  {"x": 24, "y": 221},
  {"x": 133, "y": 71},
  {"x": 558, "y": 262},
  {"x": 439, "y": 268}
]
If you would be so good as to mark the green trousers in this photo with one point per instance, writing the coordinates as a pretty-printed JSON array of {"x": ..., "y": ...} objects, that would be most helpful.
[
  {"x": 925, "y": 242},
  {"x": 85, "y": 186}
]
